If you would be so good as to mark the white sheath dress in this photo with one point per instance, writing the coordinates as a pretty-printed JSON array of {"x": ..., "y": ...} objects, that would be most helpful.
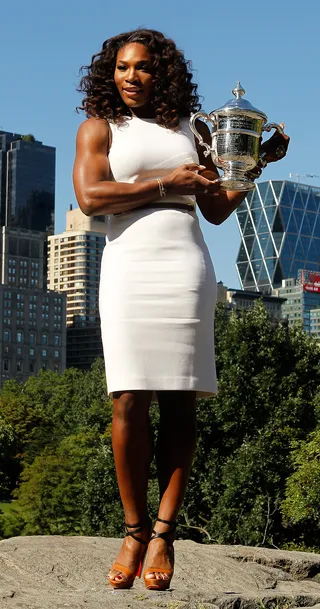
[{"x": 157, "y": 284}]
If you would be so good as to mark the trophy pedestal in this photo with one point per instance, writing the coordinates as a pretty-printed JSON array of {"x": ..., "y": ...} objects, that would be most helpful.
[{"x": 234, "y": 180}]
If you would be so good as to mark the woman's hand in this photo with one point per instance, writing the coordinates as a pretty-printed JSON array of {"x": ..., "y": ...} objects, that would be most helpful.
[
  {"x": 186, "y": 181},
  {"x": 275, "y": 148}
]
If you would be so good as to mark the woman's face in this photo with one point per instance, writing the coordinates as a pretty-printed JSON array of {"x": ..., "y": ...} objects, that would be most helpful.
[{"x": 133, "y": 77}]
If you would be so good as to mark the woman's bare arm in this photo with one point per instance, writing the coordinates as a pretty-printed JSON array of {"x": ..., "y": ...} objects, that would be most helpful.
[{"x": 96, "y": 193}]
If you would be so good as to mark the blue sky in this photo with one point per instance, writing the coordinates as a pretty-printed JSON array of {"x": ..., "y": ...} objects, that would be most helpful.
[{"x": 271, "y": 47}]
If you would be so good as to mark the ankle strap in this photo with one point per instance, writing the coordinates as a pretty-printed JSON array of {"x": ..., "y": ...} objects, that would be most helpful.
[
  {"x": 166, "y": 534},
  {"x": 173, "y": 523},
  {"x": 138, "y": 528}
]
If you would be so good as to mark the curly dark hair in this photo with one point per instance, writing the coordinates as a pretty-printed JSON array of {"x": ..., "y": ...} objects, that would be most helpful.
[{"x": 174, "y": 95}]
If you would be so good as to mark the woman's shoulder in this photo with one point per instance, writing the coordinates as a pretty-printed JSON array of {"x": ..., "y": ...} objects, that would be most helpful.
[{"x": 95, "y": 126}]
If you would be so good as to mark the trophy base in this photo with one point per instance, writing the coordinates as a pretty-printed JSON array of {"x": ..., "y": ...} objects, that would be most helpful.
[{"x": 227, "y": 182}]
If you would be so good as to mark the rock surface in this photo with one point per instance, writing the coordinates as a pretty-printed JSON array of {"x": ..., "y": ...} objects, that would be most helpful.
[{"x": 52, "y": 572}]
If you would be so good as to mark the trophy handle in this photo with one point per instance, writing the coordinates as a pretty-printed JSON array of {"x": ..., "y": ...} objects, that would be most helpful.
[
  {"x": 270, "y": 126},
  {"x": 207, "y": 119}
]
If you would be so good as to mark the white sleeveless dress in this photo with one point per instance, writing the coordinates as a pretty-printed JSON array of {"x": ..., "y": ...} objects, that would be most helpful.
[{"x": 157, "y": 284}]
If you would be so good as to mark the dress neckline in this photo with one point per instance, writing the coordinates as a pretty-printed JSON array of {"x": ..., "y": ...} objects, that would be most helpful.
[{"x": 148, "y": 120}]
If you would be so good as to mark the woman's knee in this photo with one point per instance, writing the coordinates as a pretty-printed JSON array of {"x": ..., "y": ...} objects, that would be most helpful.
[{"x": 128, "y": 405}]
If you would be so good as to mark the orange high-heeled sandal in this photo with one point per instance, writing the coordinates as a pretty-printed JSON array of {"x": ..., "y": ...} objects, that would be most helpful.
[
  {"x": 161, "y": 584},
  {"x": 131, "y": 575}
]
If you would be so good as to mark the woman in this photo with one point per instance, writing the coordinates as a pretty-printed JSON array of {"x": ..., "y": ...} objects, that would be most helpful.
[{"x": 137, "y": 162}]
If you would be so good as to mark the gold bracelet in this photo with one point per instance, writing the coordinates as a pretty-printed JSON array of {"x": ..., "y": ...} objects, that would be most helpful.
[{"x": 162, "y": 189}]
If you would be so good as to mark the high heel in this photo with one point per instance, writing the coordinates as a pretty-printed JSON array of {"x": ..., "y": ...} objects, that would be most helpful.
[
  {"x": 161, "y": 584},
  {"x": 131, "y": 575}
]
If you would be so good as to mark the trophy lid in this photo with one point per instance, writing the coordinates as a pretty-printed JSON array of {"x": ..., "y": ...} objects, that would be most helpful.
[{"x": 240, "y": 105}]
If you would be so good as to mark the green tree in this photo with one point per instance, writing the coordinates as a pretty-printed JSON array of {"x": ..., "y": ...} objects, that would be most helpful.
[
  {"x": 52, "y": 487},
  {"x": 28, "y": 138},
  {"x": 268, "y": 401},
  {"x": 102, "y": 510},
  {"x": 301, "y": 506},
  {"x": 8, "y": 466},
  {"x": 49, "y": 407},
  {"x": 268, "y": 375}
]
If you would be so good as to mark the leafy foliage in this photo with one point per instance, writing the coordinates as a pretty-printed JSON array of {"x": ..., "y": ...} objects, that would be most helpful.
[
  {"x": 301, "y": 507},
  {"x": 256, "y": 474}
]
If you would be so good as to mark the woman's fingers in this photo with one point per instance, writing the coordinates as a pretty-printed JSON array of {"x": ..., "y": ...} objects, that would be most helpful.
[
  {"x": 204, "y": 185},
  {"x": 193, "y": 167}
]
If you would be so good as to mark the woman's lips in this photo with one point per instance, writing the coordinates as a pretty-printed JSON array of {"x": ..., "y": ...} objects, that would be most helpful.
[{"x": 132, "y": 92}]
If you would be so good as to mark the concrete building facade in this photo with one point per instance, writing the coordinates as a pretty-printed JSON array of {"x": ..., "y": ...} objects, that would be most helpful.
[
  {"x": 74, "y": 264},
  {"x": 32, "y": 320},
  {"x": 243, "y": 300},
  {"x": 302, "y": 300},
  {"x": 32, "y": 332}
]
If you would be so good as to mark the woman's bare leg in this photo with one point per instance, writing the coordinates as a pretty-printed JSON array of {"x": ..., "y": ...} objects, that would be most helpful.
[
  {"x": 133, "y": 452},
  {"x": 174, "y": 453}
]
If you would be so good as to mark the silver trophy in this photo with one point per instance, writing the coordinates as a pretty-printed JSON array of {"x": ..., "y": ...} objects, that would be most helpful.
[{"x": 236, "y": 131}]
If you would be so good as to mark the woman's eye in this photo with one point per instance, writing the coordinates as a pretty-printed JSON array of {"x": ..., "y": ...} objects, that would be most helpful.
[{"x": 121, "y": 68}]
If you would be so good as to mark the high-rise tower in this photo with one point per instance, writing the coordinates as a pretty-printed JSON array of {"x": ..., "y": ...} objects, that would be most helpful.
[{"x": 279, "y": 223}]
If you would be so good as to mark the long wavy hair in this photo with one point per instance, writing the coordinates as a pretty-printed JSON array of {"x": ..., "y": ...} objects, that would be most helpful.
[{"x": 174, "y": 95}]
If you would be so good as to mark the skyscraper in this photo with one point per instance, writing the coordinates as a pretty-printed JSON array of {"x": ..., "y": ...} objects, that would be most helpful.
[
  {"x": 32, "y": 320},
  {"x": 27, "y": 183},
  {"x": 279, "y": 223},
  {"x": 74, "y": 268}
]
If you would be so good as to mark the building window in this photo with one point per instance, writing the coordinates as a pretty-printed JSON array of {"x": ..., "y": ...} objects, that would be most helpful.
[
  {"x": 6, "y": 365},
  {"x": 56, "y": 367},
  {"x": 19, "y": 350},
  {"x": 31, "y": 366},
  {"x": 44, "y": 365},
  {"x": 56, "y": 340},
  {"x": 57, "y": 353},
  {"x": 44, "y": 353},
  {"x": 6, "y": 349},
  {"x": 31, "y": 351},
  {"x": 19, "y": 337},
  {"x": 32, "y": 338},
  {"x": 6, "y": 336},
  {"x": 19, "y": 366},
  {"x": 44, "y": 339}
]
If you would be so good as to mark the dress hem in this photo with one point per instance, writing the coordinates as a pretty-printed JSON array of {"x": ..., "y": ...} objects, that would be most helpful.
[{"x": 200, "y": 393}]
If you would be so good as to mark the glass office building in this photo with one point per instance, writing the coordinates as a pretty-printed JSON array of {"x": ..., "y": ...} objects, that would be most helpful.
[
  {"x": 27, "y": 183},
  {"x": 279, "y": 223}
]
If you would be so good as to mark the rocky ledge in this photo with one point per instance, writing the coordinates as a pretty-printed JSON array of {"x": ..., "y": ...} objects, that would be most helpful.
[{"x": 52, "y": 572}]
